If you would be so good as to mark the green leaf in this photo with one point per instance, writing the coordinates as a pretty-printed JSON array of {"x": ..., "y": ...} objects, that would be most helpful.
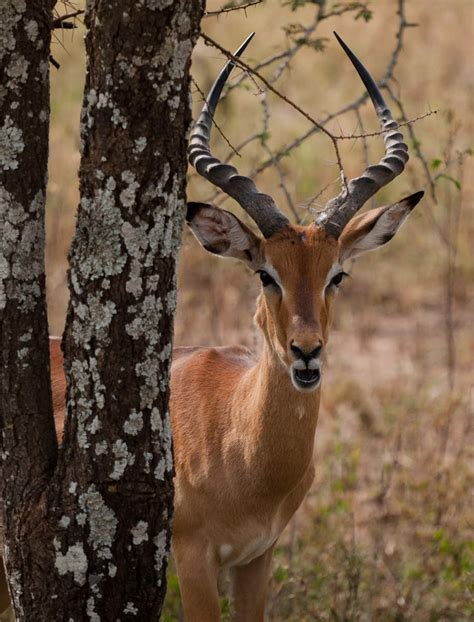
[
  {"x": 436, "y": 163},
  {"x": 365, "y": 14},
  {"x": 319, "y": 45},
  {"x": 280, "y": 574}
]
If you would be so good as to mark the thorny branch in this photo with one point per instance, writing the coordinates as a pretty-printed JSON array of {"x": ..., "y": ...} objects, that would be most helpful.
[
  {"x": 305, "y": 37},
  {"x": 229, "y": 9},
  {"x": 60, "y": 22},
  {"x": 279, "y": 94}
]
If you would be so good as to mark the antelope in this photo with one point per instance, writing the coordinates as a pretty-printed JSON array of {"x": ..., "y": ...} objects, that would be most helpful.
[{"x": 244, "y": 426}]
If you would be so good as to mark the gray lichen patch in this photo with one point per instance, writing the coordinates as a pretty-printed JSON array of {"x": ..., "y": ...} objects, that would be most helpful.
[
  {"x": 90, "y": 610},
  {"x": 130, "y": 608},
  {"x": 97, "y": 244},
  {"x": 74, "y": 560},
  {"x": 93, "y": 319},
  {"x": 161, "y": 553},
  {"x": 134, "y": 424},
  {"x": 17, "y": 68},
  {"x": 139, "y": 532},
  {"x": 101, "y": 448},
  {"x": 101, "y": 520},
  {"x": 21, "y": 247},
  {"x": 88, "y": 397},
  {"x": 146, "y": 321},
  {"x": 11, "y": 144},
  {"x": 162, "y": 442},
  {"x": 123, "y": 458},
  {"x": 31, "y": 29},
  {"x": 140, "y": 144},
  {"x": 127, "y": 196},
  {"x": 12, "y": 13}
]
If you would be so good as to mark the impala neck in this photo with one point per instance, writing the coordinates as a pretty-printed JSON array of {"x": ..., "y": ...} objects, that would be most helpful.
[{"x": 282, "y": 421}]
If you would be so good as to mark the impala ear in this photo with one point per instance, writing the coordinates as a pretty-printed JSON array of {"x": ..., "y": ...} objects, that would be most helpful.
[
  {"x": 376, "y": 227},
  {"x": 222, "y": 233}
]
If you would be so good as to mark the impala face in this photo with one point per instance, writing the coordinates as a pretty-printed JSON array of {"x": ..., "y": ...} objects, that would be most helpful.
[
  {"x": 300, "y": 275},
  {"x": 301, "y": 270}
]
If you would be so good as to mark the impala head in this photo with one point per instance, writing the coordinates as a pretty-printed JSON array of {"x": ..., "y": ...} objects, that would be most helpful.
[{"x": 301, "y": 268}]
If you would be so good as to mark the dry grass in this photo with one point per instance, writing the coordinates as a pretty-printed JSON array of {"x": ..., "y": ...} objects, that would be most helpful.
[{"x": 386, "y": 532}]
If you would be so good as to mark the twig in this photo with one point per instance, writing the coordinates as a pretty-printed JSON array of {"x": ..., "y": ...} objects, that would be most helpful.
[
  {"x": 388, "y": 75},
  {"x": 366, "y": 135},
  {"x": 239, "y": 7},
  {"x": 58, "y": 21},
  {"x": 54, "y": 62}
]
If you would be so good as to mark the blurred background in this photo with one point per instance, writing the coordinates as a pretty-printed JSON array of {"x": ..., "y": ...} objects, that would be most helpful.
[{"x": 386, "y": 532}]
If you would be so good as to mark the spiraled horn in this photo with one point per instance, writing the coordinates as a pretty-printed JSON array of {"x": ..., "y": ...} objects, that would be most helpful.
[
  {"x": 260, "y": 207},
  {"x": 339, "y": 210}
]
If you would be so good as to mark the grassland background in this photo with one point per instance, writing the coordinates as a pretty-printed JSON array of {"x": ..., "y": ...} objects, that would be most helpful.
[{"x": 386, "y": 531}]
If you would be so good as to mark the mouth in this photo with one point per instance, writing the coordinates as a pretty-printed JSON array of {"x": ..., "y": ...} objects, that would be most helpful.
[{"x": 306, "y": 379}]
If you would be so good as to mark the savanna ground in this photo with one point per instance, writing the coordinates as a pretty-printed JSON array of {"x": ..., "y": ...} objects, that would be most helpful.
[{"x": 386, "y": 532}]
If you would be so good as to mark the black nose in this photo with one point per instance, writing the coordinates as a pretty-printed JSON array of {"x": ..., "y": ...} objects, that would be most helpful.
[{"x": 306, "y": 356}]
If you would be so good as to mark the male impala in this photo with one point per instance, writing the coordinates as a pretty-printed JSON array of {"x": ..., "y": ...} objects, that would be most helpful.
[{"x": 243, "y": 427}]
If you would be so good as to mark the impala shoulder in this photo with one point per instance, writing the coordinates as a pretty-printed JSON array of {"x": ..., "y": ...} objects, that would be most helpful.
[{"x": 220, "y": 356}]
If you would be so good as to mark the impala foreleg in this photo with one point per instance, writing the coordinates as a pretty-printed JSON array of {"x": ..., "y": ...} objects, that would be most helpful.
[
  {"x": 197, "y": 574},
  {"x": 250, "y": 586}
]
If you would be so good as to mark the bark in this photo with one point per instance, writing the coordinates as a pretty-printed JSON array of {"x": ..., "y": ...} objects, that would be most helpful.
[
  {"x": 102, "y": 523},
  {"x": 27, "y": 443},
  {"x": 115, "y": 485}
]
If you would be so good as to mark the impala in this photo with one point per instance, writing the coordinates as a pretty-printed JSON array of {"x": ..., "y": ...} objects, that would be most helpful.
[{"x": 243, "y": 427}]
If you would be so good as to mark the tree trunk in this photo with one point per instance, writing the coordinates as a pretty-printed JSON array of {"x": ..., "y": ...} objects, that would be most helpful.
[
  {"x": 99, "y": 549},
  {"x": 27, "y": 443}
]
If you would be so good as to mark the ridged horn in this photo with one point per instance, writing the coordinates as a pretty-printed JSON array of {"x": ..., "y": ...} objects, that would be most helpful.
[
  {"x": 260, "y": 207},
  {"x": 339, "y": 210}
]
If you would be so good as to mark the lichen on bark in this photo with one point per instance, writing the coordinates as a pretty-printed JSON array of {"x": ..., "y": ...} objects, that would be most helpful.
[
  {"x": 27, "y": 439},
  {"x": 122, "y": 276}
]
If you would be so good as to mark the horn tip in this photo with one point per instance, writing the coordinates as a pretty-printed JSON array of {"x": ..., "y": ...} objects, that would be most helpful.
[
  {"x": 340, "y": 40},
  {"x": 415, "y": 198},
  {"x": 244, "y": 44}
]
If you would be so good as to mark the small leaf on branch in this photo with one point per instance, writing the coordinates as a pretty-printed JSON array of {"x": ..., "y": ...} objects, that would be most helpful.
[
  {"x": 319, "y": 45},
  {"x": 365, "y": 14},
  {"x": 454, "y": 181}
]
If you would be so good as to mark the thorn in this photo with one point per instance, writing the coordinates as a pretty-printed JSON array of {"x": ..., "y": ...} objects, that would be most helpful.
[{"x": 54, "y": 62}]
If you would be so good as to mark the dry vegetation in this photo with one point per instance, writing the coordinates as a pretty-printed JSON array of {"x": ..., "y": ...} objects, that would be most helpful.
[{"x": 386, "y": 532}]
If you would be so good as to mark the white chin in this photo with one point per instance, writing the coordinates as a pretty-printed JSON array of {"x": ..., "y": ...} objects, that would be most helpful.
[{"x": 307, "y": 382}]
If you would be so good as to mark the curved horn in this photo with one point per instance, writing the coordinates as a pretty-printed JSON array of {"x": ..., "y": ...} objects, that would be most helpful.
[
  {"x": 259, "y": 206},
  {"x": 339, "y": 211}
]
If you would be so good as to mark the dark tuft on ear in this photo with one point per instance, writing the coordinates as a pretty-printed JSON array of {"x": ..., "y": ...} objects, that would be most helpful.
[
  {"x": 413, "y": 199},
  {"x": 193, "y": 209}
]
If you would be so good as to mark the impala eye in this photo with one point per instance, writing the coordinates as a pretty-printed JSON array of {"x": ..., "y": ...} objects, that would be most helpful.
[
  {"x": 266, "y": 278},
  {"x": 337, "y": 279}
]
